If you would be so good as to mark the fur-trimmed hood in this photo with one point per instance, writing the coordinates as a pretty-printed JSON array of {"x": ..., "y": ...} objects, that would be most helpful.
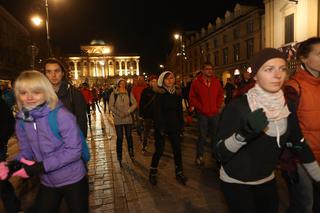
[{"x": 162, "y": 90}]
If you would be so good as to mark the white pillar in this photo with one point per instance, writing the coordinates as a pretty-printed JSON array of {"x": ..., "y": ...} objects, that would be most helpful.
[
  {"x": 95, "y": 72},
  {"x": 75, "y": 63},
  {"x": 120, "y": 68},
  {"x": 137, "y": 67},
  {"x": 125, "y": 68}
]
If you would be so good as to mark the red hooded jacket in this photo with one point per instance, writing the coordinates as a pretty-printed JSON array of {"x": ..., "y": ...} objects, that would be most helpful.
[{"x": 206, "y": 100}]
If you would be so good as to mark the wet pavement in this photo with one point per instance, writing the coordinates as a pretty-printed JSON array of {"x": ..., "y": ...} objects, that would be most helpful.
[{"x": 127, "y": 189}]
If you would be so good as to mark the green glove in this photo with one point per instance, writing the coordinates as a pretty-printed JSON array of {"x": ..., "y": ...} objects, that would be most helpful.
[{"x": 253, "y": 124}]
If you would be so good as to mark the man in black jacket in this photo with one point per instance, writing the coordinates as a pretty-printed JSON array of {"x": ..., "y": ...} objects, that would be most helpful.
[
  {"x": 146, "y": 109},
  {"x": 8, "y": 196},
  {"x": 70, "y": 96}
]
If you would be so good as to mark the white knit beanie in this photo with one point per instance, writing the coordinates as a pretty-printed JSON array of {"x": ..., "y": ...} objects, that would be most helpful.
[
  {"x": 118, "y": 81},
  {"x": 161, "y": 78}
]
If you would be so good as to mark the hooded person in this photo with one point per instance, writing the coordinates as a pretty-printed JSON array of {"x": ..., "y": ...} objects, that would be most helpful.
[
  {"x": 253, "y": 131},
  {"x": 168, "y": 120}
]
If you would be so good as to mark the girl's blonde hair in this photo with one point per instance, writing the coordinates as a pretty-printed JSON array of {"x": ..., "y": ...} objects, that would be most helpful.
[{"x": 35, "y": 81}]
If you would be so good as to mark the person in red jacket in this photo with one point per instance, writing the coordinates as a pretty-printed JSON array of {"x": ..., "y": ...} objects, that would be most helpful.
[
  {"x": 88, "y": 98},
  {"x": 137, "y": 89},
  {"x": 206, "y": 98}
]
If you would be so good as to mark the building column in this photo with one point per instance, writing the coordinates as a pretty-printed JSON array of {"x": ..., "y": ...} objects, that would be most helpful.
[
  {"x": 75, "y": 64},
  {"x": 137, "y": 67},
  {"x": 125, "y": 68},
  {"x": 120, "y": 67},
  {"x": 95, "y": 71}
]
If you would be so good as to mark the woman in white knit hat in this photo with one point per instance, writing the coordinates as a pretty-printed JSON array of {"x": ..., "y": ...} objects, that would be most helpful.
[{"x": 168, "y": 120}]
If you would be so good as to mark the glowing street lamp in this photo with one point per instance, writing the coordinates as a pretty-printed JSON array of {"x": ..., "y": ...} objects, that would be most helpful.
[{"x": 36, "y": 20}]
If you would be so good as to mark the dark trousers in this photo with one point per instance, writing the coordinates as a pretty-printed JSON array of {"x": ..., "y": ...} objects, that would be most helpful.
[
  {"x": 88, "y": 113},
  {"x": 205, "y": 123},
  {"x": 119, "y": 131},
  {"x": 10, "y": 201},
  {"x": 242, "y": 198},
  {"x": 9, "y": 198},
  {"x": 174, "y": 138},
  {"x": 76, "y": 196}
]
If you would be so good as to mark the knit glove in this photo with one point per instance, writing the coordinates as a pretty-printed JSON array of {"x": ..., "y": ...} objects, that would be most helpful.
[
  {"x": 253, "y": 124},
  {"x": 3, "y": 171},
  {"x": 30, "y": 169}
]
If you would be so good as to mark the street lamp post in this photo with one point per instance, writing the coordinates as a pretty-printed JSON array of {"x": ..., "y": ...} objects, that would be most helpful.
[
  {"x": 47, "y": 28},
  {"x": 37, "y": 21},
  {"x": 178, "y": 38}
]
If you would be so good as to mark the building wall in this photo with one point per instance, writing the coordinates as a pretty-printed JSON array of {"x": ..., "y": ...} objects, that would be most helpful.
[
  {"x": 14, "y": 40},
  {"x": 98, "y": 68},
  {"x": 306, "y": 20},
  {"x": 210, "y": 43}
]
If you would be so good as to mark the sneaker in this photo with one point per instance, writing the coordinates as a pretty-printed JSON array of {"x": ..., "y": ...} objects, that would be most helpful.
[
  {"x": 144, "y": 150},
  {"x": 153, "y": 179},
  {"x": 131, "y": 153},
  {"x": 153, "y": 176},
  {"x": 199, "y": 161},
  {"x": 120, "y": 163},
  {"x": 181, "y": 178}
]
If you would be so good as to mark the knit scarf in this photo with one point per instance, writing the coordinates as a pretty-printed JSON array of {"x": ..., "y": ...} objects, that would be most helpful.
[
  {"x": 171, "y": 90},
  {"x": 273, "y": 104}
]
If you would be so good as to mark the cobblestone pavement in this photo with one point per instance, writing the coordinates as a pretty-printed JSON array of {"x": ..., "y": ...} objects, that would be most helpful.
[{"x": 115, "y": 189}]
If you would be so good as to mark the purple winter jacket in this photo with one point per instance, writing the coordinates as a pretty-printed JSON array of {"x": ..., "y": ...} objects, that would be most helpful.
[{"x": 62, "y": 161}]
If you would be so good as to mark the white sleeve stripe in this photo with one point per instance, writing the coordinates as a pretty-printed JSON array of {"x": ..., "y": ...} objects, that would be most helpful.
[{"x": 232, "y": 144}]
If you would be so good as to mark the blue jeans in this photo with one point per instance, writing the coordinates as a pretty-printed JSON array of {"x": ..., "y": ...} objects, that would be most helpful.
[
  {"x": 301, "y": 193},
  {"x": 119, "y": 131},
  {"x": 205, "y": 123}
]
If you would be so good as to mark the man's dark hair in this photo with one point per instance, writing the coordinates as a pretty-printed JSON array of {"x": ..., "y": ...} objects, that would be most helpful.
[
  {"x": 55, "y": 61},
  {"x": 207, "y": 63},
  {"x": 306, "y": 47}
]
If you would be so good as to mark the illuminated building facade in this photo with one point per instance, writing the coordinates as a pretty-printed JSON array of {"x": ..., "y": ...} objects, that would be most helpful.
[{"x": 98, "y": 65}]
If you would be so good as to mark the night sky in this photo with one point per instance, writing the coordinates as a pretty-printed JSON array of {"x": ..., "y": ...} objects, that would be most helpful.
[{"x": 144, "y": 27}]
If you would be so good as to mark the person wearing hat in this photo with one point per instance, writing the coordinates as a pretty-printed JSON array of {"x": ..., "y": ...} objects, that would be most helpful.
[
  {"x": 253, "y": 131},
  {"x": 168, "y": 120},
  {"x": 71, "y": 97},
  {"x": 122, "y": 104},
  {"x": 148, "y": 97}
]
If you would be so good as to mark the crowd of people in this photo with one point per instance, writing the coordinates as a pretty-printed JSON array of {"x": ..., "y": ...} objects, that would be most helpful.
[{"x": 255, "y": 123}]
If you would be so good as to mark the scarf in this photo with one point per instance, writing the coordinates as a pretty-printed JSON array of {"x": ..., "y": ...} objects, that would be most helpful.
[
  {"x": 171, "y": 90},
  {"x": 273, "y": 104}
]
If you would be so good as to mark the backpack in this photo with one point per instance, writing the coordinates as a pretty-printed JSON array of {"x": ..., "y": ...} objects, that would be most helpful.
[
  {"x": 115, "y": 95},
  {"x": 53, "y": 123}
]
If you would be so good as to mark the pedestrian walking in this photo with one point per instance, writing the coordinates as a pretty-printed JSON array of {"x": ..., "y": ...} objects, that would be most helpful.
[
  {"x": 168, "y": 121},
  {"x": 139, "y": 85},
  {"x": 304, "y": 89},
  {"x": 206, "y": 98},
  {"x": 71, "y": 97},
  {"x": 122, "y": 104},
  {"x": 10, "y": 201},
  {"x": 253, "y": 131},
  {"x": 146, "y": 110},
  {"x": 56, "y": 161}
]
